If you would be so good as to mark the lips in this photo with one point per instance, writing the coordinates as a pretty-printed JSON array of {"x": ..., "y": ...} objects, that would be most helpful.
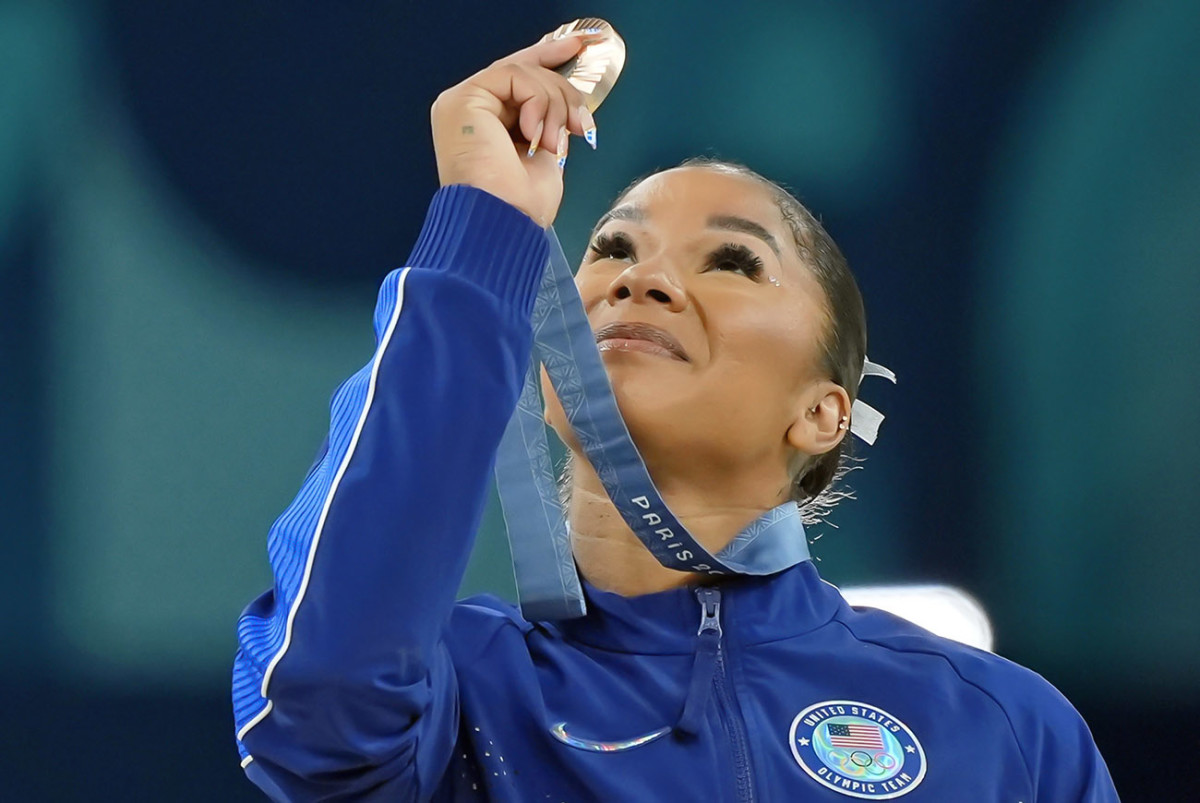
[{"x": 644, "y": 332}]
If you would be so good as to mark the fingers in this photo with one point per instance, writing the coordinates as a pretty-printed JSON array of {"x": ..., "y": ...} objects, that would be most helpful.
[
  {"x": 532, "y": 123},
  {"x": 537, "y": 102},
  {"x": 546, "y": 116},
  {"x": 552, "y": 52}
]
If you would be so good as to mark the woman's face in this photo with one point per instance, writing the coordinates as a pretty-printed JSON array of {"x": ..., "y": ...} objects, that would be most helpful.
[{"x": 706, "y": 319}]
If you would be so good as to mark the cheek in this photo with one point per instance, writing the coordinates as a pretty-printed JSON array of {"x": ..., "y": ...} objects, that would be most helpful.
[
  {"x": 761, "y": 365},
  {"x": 773, "y": 347},
  {"x": 592, "y": 285}
]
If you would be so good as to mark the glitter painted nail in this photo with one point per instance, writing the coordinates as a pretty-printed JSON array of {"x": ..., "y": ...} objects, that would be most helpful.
[
  {"x": 537, "y": 137},
  {"x": 562, "y": 148},
  {"x": 589, "y": 126}
]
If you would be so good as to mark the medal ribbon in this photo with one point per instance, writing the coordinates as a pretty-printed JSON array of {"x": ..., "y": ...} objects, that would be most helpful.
[{"x": 547, "y": 583}]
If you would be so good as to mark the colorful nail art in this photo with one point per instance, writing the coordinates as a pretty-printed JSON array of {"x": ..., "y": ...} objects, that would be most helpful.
[
  {"x": 589, "y": 126},
  {"x": 562, "y": 147},
  {"x": 537, "y": 137}
]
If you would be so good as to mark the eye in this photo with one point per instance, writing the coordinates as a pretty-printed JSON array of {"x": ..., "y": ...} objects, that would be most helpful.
[
  {"x": 612, "y": 246},
  {"x": 737, "y": 258}
]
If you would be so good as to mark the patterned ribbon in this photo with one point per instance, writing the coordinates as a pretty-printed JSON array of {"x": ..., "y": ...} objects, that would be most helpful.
[{"x": 547, "y": 583}]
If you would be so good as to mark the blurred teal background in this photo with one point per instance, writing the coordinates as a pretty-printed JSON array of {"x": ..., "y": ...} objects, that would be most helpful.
[{"x": 198, "y": 199}]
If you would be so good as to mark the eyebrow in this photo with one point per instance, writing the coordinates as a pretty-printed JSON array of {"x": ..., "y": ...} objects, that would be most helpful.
[
  {"x": 734, "y": 223},
  {"x": 632, "y": 213},
  {"x": 726, "y": 222}
]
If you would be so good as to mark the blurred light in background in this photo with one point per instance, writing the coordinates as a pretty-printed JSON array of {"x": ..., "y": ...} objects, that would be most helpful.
[
  {"x": 949, "y": 612},
  {"x": 1087, "y": 348}
]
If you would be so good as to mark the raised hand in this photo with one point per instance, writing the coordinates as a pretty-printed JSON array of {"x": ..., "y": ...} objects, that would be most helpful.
[{"x": 506, "y": 128}]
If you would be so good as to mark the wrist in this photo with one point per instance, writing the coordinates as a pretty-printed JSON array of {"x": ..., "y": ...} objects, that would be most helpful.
[{"x": 480, "y": 237}]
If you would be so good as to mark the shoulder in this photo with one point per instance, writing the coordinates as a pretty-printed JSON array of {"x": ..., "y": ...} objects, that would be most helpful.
[
  {"x": 1049, "y": 732},
  {"x": 1009, "y": 684}
]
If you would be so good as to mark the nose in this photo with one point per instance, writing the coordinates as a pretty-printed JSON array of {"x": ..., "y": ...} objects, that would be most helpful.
[{"x": 647, "y": 283}]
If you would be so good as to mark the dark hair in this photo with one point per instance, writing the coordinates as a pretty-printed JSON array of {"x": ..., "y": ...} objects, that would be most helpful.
[{"x": 844, "y": 347}]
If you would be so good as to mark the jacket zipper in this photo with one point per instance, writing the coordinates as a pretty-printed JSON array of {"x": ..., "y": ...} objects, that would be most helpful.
[{"x": 735, "y": 729}]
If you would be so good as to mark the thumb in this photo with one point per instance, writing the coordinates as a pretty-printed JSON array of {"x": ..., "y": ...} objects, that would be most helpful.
[{"x": 551, "y": 53}]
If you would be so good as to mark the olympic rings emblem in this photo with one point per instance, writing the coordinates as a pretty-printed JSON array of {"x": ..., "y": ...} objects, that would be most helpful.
[{"x": 857, "y": 749}]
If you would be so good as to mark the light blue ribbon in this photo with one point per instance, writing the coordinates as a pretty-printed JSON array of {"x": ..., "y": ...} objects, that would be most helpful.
[{"x": 547, "y": 583}]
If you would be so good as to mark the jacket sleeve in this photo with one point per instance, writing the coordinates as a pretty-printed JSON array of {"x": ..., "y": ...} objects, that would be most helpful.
[{"x": 342, "y": 686}]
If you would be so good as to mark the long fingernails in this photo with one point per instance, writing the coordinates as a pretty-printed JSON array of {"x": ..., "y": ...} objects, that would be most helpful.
[
  {"x": 537, "y": 137},
  {"x": 562, "y": 148},
  {"x": 589, "y": 126}
]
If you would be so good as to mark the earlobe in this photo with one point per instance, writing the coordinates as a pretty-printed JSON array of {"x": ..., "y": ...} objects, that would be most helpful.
[{"x": 823, "y": 419}]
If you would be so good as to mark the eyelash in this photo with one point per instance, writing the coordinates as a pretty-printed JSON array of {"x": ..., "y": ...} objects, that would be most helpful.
[
  {"x": 745, "y": 261},
  {"x": 607, "y": 246}
]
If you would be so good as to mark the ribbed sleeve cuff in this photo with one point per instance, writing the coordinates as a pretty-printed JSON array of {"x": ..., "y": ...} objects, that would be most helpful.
[{"x": 473, "y": 234}]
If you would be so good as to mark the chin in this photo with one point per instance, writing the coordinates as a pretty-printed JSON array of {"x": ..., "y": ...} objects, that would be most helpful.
[
  {"x": 647, "y": 386},
  {"x": 655, "y": 403},
  {"x": 657, "y": 417}
]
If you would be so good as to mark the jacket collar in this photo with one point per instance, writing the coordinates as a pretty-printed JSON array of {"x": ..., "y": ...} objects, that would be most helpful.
[{"x": 753, "y": 610}]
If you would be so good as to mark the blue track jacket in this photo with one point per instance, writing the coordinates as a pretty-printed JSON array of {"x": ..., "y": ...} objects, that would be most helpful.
[{"x": 358, "y": 676}]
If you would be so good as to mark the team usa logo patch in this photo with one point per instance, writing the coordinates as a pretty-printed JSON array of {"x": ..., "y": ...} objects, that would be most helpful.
[{"x": 857, "y": 749}]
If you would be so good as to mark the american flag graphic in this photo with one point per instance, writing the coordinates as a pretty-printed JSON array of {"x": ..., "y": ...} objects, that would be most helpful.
[{"x": 861, "y": 737}]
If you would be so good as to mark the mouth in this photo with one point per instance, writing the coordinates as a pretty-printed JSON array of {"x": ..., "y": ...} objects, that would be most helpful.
[{"x": 629, "y": 336}]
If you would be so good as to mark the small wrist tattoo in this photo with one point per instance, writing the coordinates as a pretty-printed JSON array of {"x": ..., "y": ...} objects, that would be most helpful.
[{"x": 468, "y": 129}]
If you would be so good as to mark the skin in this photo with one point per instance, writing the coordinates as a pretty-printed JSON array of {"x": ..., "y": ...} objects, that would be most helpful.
[{"x": 719, "y": 429}]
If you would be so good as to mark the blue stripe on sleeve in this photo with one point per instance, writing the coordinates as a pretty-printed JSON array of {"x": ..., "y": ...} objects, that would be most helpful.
[{"x": 295, "y": 536}]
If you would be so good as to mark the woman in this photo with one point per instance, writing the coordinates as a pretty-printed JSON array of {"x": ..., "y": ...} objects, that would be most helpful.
[{"x": 734, "y": 339}]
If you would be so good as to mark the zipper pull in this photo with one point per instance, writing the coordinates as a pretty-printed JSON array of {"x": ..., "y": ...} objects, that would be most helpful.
[
  {"x": 704, "y": 665},
  {"x": 710, "y": 610}
]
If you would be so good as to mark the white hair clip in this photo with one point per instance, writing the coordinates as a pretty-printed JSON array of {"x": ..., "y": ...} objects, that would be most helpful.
[{"x": 865, "y": 419}]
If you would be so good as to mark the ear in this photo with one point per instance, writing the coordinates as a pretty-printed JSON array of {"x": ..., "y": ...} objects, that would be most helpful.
[{"x": 821, "y": 411}]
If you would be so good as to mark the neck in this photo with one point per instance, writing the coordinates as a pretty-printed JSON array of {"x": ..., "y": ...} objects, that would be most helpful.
[{"x": 611, "y": 557}]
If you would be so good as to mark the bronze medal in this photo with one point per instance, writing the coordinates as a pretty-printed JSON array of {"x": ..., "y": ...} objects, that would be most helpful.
[{"x": 595, "y": 69}]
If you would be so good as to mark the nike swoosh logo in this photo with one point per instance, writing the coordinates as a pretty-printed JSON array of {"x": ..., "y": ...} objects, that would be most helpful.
[{"x": 559, "y": 732}]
